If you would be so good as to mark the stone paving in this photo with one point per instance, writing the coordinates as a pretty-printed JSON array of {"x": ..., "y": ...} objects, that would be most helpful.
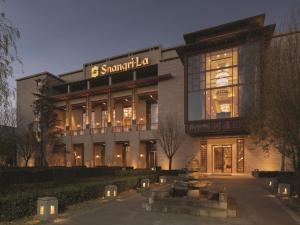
[{"x": 256, "y": 207}]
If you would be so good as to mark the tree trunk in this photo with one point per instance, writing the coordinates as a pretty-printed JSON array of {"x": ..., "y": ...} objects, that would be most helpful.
[
  {"x": 43, "y": 161},
  {"x": 26, "y": 162},
  {"x": 170, "y": 163}
]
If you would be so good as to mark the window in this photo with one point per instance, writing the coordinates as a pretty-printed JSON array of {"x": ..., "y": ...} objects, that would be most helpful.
[
  {"x": 213, "y": 89},
  {"x": 127, "y": 118},
  {"x": 154, "y": 115}
]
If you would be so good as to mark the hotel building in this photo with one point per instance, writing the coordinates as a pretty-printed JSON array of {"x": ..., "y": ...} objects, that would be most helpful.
[{"x": 110, "y": 108}]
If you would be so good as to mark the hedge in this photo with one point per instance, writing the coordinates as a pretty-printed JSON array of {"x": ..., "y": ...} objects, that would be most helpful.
[
  {"x": 17, "y": 205},
  {"x": 258, "y": 173},
  {"x": 36, "y": 175}
]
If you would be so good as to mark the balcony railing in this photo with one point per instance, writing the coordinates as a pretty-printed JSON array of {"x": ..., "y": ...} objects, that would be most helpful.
[
  {"x": 118, "y": 129},
  {"x": 77, "y": 132},
  {"x": 217, "y": 127},
  {"x": 114, "y": 129},
  {"x": 144, "y": 127},
  {"x": 99, "y": 130}
]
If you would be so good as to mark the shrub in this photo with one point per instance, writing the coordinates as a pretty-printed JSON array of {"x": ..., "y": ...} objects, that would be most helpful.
[
  {"x": 271, "y": 173},
  {"x": 37, "y": 175},
  {"x": 17, "y": 205}
]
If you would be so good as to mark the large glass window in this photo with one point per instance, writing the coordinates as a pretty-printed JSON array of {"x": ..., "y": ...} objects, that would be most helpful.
[
  {"x": 154, "y": 115},
  {"x": 213, "y": 85},
  {"x": 127, "y": 118}
]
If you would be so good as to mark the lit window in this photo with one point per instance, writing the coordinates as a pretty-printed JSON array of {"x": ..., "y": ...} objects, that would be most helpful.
[{"x": 213, "y": 85}]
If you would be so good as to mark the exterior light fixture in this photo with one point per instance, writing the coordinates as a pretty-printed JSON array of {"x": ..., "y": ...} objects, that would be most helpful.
[
  {"x": 141, "y": 155},
  {"x": 110, "y": 191},
  {"x": 145, "y": 183},
  {"x": 118, "y": 155},
  {"x": 97, "y": 156},
  {"x": 47, "y": 208},
  {"x": 283, "y": 189},
  {"x": 162, "y": 179},
  {"x": 153, "y": 168},
  {"x": 78, "y": 157},
  {"x": 272, "y": 185}
]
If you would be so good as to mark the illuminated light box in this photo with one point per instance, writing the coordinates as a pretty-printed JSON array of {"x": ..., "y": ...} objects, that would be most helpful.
[
  {"x": 162, "y": 179},
  {"x": 47, "y": 208},
  {"x": 145, "y": 183},
  {"x": 284, "y": 190},
  {"x": 111, "y": 191},
  {"x": 272, "y": 185}
]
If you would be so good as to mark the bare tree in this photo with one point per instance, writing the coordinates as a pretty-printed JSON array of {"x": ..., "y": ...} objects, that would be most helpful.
[
  {"x": 27, "y": 145},
  {"x": 8, "y": 55},
  {"x": 279, "y": 114},
  {"x": 170, "y": 135}
]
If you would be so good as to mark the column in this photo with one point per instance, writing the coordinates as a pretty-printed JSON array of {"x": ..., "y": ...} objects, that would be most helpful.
[
  {"x": 67, "y": 116},
  {"x": 88, "y": 112}
]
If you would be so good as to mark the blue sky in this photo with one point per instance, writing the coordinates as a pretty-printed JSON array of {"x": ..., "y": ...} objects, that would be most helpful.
[{"x": 61, "y": 35}]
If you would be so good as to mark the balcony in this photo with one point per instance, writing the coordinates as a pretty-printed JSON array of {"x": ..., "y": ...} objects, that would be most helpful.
[
  {"x": 145, "y": 127},
  {"x": 77, "y": 132},
  {"x": 119, "y": 129},
  {"x": 100, "y": 130},
  {"x": 226, "y": 126}
]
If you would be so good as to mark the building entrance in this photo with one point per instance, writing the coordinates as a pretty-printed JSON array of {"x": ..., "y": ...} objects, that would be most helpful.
[{"x": 222, "y": 158}]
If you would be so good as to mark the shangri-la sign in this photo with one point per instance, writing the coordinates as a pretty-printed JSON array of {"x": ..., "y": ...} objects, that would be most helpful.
[{"x": 122, "y": 67}]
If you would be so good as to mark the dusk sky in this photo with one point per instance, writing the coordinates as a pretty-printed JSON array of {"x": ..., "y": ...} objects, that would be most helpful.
[{"x": 61, "y": 35}]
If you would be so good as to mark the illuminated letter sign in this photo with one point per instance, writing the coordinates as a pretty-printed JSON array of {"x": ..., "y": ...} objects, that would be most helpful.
[
  {"x": 132, "y": 64},
  {"x": 95, "y": 71}
]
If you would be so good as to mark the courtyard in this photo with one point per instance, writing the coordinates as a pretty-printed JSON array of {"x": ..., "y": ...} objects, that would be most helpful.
[{"x": 255, "y": 207}]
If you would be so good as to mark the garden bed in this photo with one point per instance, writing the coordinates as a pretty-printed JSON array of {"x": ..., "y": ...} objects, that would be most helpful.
[{"x": 21, "y": 200}]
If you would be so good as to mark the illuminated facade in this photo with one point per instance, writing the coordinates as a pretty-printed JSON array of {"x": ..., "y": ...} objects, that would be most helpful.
[{"x": 109, "y": 109}]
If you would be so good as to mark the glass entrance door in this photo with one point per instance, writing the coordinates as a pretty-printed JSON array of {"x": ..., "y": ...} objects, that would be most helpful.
[{"x": 222, "y": 158}]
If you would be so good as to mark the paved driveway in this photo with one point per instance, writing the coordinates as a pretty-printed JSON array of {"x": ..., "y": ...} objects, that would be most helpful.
[{"x": 256, "y": 207}]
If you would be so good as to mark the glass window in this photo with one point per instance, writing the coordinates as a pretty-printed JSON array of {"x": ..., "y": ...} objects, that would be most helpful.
[
  {"x": 196, "y": 101},
  {"x": 213, "y": 85},
  {"x": 154, "y": 114},
  {"x": 127, "y": 116}
]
